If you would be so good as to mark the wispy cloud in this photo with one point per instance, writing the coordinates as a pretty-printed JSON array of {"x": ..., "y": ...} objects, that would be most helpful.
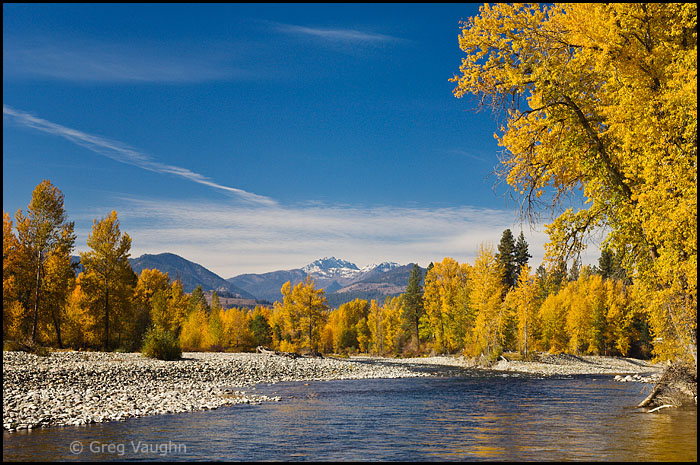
[
  {"x": 123, "y": 153},
  {"x": 337, "y": 35},
  {"x": 93, "y": 61},
  {"x": 235, "y": 239},
  {"x": 469, "y": 154}
]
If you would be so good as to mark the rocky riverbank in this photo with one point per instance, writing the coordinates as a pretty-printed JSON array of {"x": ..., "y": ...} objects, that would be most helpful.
[
  {"x": 627, "y": 369},
  {"x": 78, "y": 388}
]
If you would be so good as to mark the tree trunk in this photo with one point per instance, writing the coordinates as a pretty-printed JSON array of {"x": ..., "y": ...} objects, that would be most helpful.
[
  {"x": 106, "y": 347},
  {"x": 36, "y": 302},
  {"x": 57, "y": 326},
  {"x": 417, "y": 334}
]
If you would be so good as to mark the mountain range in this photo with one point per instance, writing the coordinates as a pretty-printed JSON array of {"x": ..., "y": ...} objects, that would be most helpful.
[
  {"x": 189, "y": 273},
  {"x": 343, "y": 281}
]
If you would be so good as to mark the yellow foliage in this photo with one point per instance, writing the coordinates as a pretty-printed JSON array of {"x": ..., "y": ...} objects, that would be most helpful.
[
  {"x": 522, "y": 299},
  {"x": 81, "y": 329},
  {"x": 446, "y": 303},
  {"x": 303, "y": 312},
  {"x": 485, "y": 298},
  {"x": 194, "y": 335},
  {"x": 602, "y": 98},
  {"x": 235, "y": 329}
]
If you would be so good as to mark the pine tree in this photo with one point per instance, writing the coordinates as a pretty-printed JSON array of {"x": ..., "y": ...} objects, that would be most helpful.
[
  {"x": 413, "y": 302},
  {"x": 507, "y": 261},
  {"x": 521, "y": 254}
]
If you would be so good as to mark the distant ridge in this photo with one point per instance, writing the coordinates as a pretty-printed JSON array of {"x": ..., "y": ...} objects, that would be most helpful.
[
  {"x": 343, "y": 281},
  {"x": 189, "y": 273},
  {"x": 266, "y": 286}
]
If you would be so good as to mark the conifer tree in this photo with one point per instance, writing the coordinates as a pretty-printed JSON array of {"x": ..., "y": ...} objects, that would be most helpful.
[
  {"x": 507, "y": 261},
  {"x": 521, "y": 254},
  {"x": 413, "y": 302}
]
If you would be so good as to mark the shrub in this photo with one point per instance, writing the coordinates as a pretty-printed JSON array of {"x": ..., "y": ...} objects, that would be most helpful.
[
  {"x": 28, "y": 346},
  {"x": 161, "y": 344}
]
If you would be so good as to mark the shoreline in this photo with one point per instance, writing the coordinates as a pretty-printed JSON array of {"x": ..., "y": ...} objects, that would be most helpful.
[{"x": 78, "y": 388}]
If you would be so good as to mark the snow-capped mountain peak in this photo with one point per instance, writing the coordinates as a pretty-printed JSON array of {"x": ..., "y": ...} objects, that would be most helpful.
[
  {"x": 384, "y": 266},
  {"x": 330, "y": 265}
]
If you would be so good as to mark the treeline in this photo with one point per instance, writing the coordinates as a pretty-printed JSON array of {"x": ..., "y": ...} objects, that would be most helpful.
[
  {"x": 482, "y": 309},
  {"x": 107, "y": 306},
  {"x": 496, "y": 304}
]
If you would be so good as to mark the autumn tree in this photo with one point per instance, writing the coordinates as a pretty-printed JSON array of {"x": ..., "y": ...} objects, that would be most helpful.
[
  {"x": 305, "y": 311},
  {"x": 486, "y": 288},
  {"x": 346, "y": 326},
  {"x": 236, "y": 333},
  {"x": 10, "y": 259},
  {"x": 194, "y": 334},
  {"x": 376, "y": 324},
  {"x": 44, "y": 231},
  {"x": 393, "y": 335},
  {"x": 58, "y": 284},
  {"x": 552, "y": 313},
  {"x": 601, "y": 98},
  {"x": 178, "y": 306},
  {"x": 446, "y": 300},
  {"x": 150, "y": 302},
  {"x": 108, "y": 275},
  {"x": 523, "y": 300},
  {"x": 215, "y": 324}
]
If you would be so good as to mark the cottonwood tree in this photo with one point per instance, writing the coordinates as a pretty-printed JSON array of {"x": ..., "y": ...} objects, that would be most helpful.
[
  {"x": 108, "y": 276},
  {"x": 305, "y": 310},
  {"x": 601, "y": 98},
  {"x": 446, "y": 300},
  {"x": 44, "y": 231},
  {"x": 523, "y": 300},
  {"x": 485, "y": 298}
]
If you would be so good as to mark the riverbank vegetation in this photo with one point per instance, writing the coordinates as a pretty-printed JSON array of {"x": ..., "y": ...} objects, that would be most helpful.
[
  {"x": 600, "y": 103},
  {"x": 496, "y": 304}
]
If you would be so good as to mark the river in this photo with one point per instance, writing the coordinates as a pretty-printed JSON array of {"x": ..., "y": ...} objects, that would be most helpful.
[{"x": 477, "y": 417}]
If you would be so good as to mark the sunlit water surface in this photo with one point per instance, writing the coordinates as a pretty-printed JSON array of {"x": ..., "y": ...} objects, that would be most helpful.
[{"x": 457, "y": 418}]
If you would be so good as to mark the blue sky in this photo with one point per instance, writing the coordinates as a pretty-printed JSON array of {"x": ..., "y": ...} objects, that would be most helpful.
[{"x": 251, "y": 138}]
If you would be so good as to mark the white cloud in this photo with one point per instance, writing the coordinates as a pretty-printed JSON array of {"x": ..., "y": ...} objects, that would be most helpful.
[
  {"x": 337, "y": 35},
  {"x": 233, "y": 239},
  {"x": 123, "y": 153}
]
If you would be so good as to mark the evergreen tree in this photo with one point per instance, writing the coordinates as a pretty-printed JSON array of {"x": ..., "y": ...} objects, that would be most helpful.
[
  {"x": 506, "y": 260},
  {"x": 521, "y": 253},
  {"x": 262, "y": 333},
  {"x": 575, "y": 270},
  {"x": 610, "y": 265},
  {"x": 413, "y": 302},
  {"x": 197, "y": 298}
]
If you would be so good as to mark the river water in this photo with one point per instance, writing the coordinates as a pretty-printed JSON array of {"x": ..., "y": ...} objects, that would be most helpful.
[{"x": 498, "y": 417}]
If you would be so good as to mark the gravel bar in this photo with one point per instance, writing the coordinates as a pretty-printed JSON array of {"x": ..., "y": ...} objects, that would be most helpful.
[
  {"x": 79, "y": 388},
  {"x": 70, "y": 388}
]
